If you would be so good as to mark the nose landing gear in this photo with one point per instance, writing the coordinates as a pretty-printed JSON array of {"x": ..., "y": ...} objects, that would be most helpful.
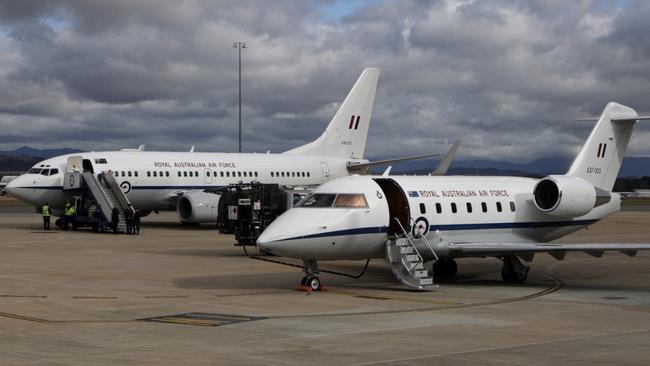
[{"x": 310, "y": 282}]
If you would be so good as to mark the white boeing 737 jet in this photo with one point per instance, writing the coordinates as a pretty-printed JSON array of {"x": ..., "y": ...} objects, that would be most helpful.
[
  {"x": 177, "y": 180},
  {"x": 410, "y": 220}
]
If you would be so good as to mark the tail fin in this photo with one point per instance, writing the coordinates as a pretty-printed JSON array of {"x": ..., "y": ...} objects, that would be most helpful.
[
  {"x": 346, "y": 135},
  {"x": 600, "y": 158}
]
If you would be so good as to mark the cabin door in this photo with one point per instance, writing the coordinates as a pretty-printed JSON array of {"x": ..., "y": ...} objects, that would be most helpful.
[
  {"x": 398, "y": 206},
  {"x": 208, "y": 175},
  {"x": 325, "y": 168}
]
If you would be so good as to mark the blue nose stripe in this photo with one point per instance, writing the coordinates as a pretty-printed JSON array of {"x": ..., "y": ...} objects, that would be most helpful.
[{"x": 357, "y": 231}]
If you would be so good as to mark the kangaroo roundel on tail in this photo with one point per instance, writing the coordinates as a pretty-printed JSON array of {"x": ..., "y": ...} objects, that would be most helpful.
[{"x": 346, "y": 134}]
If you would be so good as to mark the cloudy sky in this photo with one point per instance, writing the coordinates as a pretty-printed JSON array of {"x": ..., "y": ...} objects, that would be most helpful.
[{"x": 506, "y": 77}]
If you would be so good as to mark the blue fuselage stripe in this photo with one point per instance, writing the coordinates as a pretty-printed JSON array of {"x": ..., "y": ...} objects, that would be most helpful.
[{"x": 452, "y": 227}]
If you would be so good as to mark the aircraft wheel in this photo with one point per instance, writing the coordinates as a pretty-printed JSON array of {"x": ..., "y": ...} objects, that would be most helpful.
[
  {"x": 515, "y": 277},
  {"x": 304, "y": 281},
  {"x": 445, "y": 268},
  {"x": 314, "y": 283}
]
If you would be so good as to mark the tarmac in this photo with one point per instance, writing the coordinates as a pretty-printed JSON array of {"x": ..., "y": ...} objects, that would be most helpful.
[{"x": 178, "y": 295}]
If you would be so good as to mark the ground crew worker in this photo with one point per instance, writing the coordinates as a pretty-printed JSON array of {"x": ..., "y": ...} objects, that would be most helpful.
[
  {"x": 65, "y": 219},
  {"x": 46, "y": 216},
  {"x": 136, "y": 222},
  {"x": 115, "y": 219},
  {"x": 70, "y": 213},
  {"x": 128, "y": 217}
]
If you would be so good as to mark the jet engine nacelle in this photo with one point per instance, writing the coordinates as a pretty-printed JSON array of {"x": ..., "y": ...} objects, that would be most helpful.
[
  {"x": 564, "y": 196},
  {"x": 197, "y": 207}
]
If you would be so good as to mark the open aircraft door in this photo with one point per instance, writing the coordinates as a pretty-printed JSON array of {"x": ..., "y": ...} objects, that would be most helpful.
[
  {"x": 75, "y": 164},
  {"x": 398, "y": 205}
]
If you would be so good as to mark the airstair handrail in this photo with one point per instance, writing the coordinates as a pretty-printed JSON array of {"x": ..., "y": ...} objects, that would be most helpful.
[
  {"x": 409, "y": 239},
  {"x": 426, "y": 241}
]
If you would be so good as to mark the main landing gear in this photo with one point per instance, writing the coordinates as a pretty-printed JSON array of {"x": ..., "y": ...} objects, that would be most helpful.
[
  {"x": 513, "y": 271},
  {"x": 444, "y": 268},
  {"x": 311, "y": 282}
]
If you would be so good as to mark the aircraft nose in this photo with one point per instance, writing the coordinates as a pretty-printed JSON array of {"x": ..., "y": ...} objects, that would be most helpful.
[{"x": 17, "y": 188}]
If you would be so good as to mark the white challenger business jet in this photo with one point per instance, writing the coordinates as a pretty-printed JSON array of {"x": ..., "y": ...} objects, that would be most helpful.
[
  {"x": 176, "y": 180},
  {"x": 413, "y": 219}
]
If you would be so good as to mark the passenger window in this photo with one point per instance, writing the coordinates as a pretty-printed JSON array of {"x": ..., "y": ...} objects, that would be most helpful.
[
  {"x": 484, "y": 206},
  {"x": 245, "y": 174},
  {"x": 228, "y": 174},
  {"x": 155, "y": 174},
  {"x": 499, "y": 207},
  {"x": 512, "y": 206},
  {"x": 453, "y": 207},
  {"x": 282, "y": 174},
  {"x": 350, "y": 200},
  {"x": 438, "y": 207},
  {"x": 129, "y": 173},
  {"x": 239, "y": 174},
  {"x": 166, "y": 174},
  {"x": 207, "y": 174},
  {"x": 256, "y": 174},
  {"x": 179, "y": 173},
  {"x": 272, "y": 175},
  {"x": 221, "y": 174},
  {"x": 469, "y": 207},
  {"x": 135, "y": 173},
  {"x": 423, "y": 209},
  {"x": 148, "y": 173},
  {"x": 196, "y": 174},
  {"x": 308, "y": 174},
  {"x": 161, "y": 173},
  {"x": 185, "y": 174},
  {"x": 293, "y": 174}
]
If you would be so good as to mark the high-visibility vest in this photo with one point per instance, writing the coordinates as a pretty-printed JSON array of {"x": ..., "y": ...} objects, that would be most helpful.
[
  {"x": 70, "y": 211},
  {"x": 46, "y": 210}
]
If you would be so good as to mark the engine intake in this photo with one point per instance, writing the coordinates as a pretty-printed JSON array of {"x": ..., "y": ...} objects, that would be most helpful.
[
  {"x": 197, "y": 207},
  {"x": 564, "y": 196}
]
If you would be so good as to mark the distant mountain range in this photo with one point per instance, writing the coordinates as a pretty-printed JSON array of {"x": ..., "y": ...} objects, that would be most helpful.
[
  {"x": 38, "y": 153},
  {"x": 25, "y": 157}
]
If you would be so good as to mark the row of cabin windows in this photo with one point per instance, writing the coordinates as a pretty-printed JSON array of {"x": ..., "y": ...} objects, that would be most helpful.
[
  {"x": 124, "y": 173},
  {"x": 290, "y": 174},
  {"x": 468, "y": 206},
  {"x": 227, "y": 174}
]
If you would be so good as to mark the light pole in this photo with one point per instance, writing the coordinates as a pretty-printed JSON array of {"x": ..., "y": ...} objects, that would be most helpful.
[{"x": 239, "y": 46}]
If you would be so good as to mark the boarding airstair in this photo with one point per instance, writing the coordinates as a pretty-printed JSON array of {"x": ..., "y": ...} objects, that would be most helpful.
[
  {"x": 405, "y": 260},
  {"x": 103, "y": 191}
]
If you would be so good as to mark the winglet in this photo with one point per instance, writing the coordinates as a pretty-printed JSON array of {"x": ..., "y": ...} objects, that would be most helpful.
[
  {"x": 387, "y": 171},
  {"x": 192, "y": 149},
  {"x": 444, "y": 164}
]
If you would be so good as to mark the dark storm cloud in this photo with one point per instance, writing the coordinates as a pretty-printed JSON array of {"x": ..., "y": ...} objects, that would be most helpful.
[{"x": 506, "y": 77}]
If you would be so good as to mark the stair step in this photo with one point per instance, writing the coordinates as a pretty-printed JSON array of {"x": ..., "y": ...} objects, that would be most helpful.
[
  {"x": 426, "y": 281},
  {"x": 406, "y": 249},
  {"x": 421, "y": 273},
  {"x": 412, "y": 258}
]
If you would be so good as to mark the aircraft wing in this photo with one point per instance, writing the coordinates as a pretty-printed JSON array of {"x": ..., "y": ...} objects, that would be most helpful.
[
  {"x": 355, "y": 167},
  {"x": 527, "y": 250}
]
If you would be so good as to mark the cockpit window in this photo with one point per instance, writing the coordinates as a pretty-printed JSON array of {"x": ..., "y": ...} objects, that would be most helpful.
[
  {"x": 350, "y": 200},
  {"x": 45, "y": 172},
  {"x": 318, "y": 200},
  {"x": 54, "y": 171},
  {"x": 34, "y": 171},
  {"x": 334, "y": 200}
]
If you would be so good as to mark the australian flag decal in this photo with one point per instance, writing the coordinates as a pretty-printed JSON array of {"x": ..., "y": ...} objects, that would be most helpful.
[{"x": 413, "y": 194}]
